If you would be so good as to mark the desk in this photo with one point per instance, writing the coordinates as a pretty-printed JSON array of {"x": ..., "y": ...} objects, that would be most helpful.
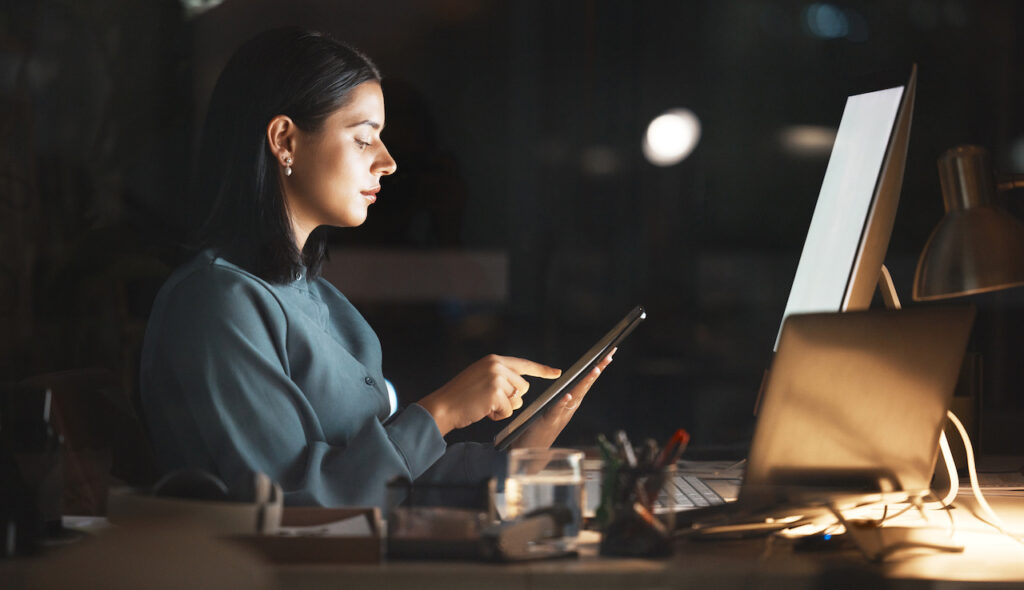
[
  {"x": 989, "y": 559},
  {"x": 183, "y": 558},
  {"x": 730, "y": 564}
]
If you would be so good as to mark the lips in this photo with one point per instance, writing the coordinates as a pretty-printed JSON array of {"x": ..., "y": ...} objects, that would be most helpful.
[{"x": 371, "y": 195}]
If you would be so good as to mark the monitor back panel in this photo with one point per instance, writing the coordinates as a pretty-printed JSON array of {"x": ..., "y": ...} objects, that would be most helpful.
[
  {"x": 856, "y": 208},
  {"x": 855, "y": 398}
]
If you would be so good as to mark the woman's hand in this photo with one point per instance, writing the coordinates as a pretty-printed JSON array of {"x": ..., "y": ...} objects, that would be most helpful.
[
  {"x": 492, "y": 387},
  {"x": 545, "y": 430}
]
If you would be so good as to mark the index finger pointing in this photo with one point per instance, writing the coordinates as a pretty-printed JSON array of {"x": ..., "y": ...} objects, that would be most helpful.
[{"x": 528, "y": 367}]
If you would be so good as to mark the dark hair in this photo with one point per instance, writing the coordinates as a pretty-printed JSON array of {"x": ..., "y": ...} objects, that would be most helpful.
[{"x": 290, "y": 71}]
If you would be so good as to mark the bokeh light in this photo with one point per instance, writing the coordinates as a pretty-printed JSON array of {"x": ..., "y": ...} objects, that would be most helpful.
[
  {"x": 826, "y": 21},
  {"x": 807, "y": 140},
  {"x": 671, "y": 137}
]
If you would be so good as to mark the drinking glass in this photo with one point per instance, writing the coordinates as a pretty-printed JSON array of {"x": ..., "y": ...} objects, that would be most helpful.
[{"x": 547, "y": 478}]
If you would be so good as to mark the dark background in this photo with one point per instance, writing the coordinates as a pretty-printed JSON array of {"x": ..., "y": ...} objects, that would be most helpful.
[{"x": 517, "y": 127}]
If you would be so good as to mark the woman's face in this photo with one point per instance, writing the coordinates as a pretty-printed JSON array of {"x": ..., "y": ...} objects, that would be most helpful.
[{"x": 336, "y": 171}]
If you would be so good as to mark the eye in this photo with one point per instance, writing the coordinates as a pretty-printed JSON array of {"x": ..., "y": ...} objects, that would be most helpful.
[{"x": 363, "y": 144}]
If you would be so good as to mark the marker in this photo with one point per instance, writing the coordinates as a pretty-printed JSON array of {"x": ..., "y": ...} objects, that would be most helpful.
[{"x": 674, "y": 448}]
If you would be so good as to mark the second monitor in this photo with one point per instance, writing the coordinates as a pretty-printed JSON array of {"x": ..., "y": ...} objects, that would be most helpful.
[{"x": 852, "y": 222}]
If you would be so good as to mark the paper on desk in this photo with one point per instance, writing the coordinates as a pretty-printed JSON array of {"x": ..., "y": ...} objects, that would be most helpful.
[{"x": 356, "y": 526}]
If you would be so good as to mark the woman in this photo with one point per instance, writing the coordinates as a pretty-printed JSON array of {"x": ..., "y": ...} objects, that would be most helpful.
[{"x": 251, "y": 361}]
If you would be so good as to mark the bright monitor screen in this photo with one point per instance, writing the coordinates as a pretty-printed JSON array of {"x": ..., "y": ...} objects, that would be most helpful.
[{"x": 836, "y": 238}]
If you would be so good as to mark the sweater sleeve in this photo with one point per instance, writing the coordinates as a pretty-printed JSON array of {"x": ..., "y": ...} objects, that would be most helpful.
[{"x": 217, "y": 395}]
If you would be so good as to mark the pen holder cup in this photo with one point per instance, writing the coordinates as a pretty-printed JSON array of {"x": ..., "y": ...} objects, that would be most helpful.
[{"x": 636, "y": 515}]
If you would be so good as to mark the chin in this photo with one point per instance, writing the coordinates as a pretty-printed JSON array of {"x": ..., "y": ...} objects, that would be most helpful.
[
  {"x": 354, "y": 220},
  {"x": 349, "y": 219}
]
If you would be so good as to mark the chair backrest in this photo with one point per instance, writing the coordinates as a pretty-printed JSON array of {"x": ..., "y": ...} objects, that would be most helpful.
[{"x": 104, "y": 442}]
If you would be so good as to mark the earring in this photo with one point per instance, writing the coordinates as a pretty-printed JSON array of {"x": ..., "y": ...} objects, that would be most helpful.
[{"x": 287, "y": 166}]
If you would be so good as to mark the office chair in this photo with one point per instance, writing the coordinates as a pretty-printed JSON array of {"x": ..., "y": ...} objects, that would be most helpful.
[{"x": 103, "y": 441}]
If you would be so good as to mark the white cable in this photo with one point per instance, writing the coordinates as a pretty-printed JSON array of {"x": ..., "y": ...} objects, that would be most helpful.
[
  {"x": 954, "y": 477},
  {"x": 975, "y": 487},
  {"x": 887, "y": 517},
  {"x": 945, "y": 502}
]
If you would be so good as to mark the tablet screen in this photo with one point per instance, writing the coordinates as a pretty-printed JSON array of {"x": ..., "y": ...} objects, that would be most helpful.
[{"x": 569, "y": 378}]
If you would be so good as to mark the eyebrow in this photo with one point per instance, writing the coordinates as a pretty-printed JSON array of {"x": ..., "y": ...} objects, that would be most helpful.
[{"x": 373, "y": 124}]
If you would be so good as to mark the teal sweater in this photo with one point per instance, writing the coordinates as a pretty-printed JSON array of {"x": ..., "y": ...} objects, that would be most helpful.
[{"x": 240, "y": 375}]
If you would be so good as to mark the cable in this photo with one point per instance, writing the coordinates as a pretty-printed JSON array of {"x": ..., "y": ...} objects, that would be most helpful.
[
  {"x": 993, "y": 519},
  {"x": 952, "y": 521},
  {"x": 954, "y": 477},
  {"x": 869, "y": 539},
  {"x": 883, "y": 551},
  {"x": 735, "y": 465},
  {"x": 886, "y": 517}
]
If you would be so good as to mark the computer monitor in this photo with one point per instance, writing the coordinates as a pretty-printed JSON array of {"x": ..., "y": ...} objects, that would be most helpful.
[{"x": 852, "y": 222}]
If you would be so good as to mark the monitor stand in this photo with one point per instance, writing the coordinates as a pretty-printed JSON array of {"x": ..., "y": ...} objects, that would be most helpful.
[{"x": 887, "y": 289}]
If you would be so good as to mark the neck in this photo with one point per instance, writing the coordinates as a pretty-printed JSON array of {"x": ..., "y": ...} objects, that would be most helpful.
[{"x": 301, "y": 234}]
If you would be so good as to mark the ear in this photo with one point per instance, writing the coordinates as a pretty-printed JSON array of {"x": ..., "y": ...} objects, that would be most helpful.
[{"x": 281, "y": 136}]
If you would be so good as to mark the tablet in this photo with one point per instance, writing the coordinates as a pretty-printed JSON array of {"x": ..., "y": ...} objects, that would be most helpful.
[{"x": 569, "y": 378}]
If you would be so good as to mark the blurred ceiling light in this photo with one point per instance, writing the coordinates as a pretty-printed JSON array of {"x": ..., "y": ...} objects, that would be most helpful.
[
  {"x": 671, "y": 137},
  {"x": 826, "y": 21},
  {"x": 807, "y": 140},
  {"x": 197, "y": 7}
]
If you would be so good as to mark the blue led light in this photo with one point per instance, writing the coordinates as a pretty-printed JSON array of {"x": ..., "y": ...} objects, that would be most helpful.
[{"x": 827, "y": 537}]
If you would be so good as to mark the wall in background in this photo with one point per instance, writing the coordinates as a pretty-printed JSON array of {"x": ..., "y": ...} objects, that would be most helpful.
[{"x": 517, "y": 129}]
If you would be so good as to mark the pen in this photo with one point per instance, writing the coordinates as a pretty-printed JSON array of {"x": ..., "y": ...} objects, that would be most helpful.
[
  {"x": 649, "y": 454},
  {"x": 609, "y": 479},
  {"x": 645, "y": 493},
  {"x": 645, "y": 515},
  {"x": 674, "y": 448},
  {"x": 626, "y": 448},
  {"x": 684, "y": 440},
  {"x": 607, "y": 449}
]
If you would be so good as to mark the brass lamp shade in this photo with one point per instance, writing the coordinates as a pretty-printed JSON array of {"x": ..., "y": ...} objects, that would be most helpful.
[{"x": 978, "y": 246}]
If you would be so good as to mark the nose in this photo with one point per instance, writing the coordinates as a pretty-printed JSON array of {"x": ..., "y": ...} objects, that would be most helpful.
[{"x": 384, "y": 164}]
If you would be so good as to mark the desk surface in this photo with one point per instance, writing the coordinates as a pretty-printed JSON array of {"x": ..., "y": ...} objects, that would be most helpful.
[
  {"x": 988, "y": 557},
  {"x": 195, "y": 562}
]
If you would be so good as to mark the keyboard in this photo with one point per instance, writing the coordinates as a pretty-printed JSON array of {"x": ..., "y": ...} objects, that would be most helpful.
[
  {"x": 689, "y": 491},
  {"x": 686, "y": 491}
]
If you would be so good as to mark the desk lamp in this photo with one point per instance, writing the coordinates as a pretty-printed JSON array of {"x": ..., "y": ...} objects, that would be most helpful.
[{"x": 978, "y": 246}]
